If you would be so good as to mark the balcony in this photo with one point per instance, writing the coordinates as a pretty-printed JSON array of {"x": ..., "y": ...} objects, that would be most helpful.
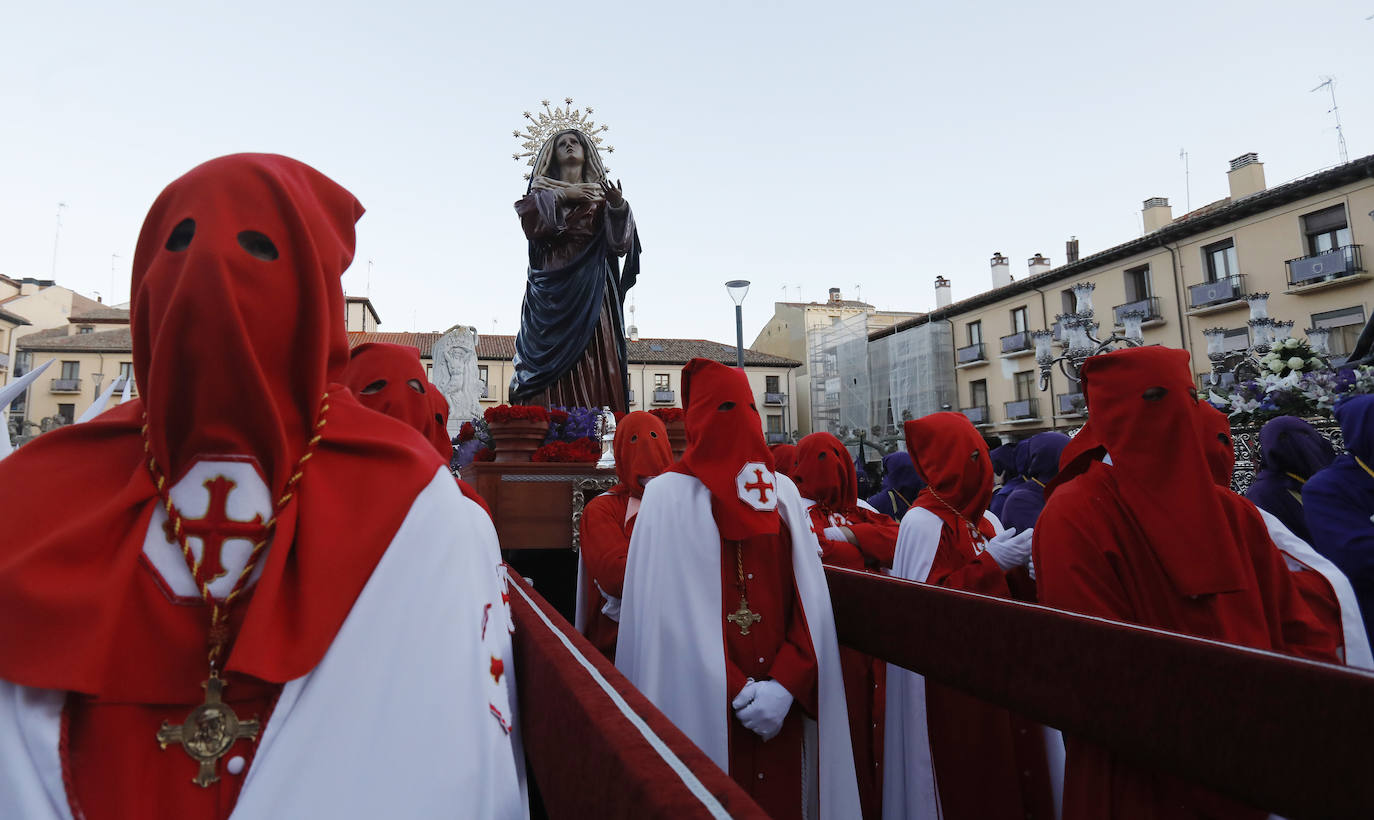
[
  {"x": 1017, "y": 343},
  {"x": 119, "y": 386},
  {"x": 775, "y": 438},
  {"x": 1148, "y": 306},
  {"x": 973, "y": 354},
  {"x": 630, "y": 397},
  {"x": 1070, "y": 404},
  {"x": 1023, "y": 410},
  {"x": 1324, "y": 267},
  {"x": 1208, "y": 296},
  {"x": 978, "y": 415},
  {"x": 4, "y": 361},
  {"x": 66, "y": 386},
  {"x": 775, "y": 399},
  {"x": 485, "y": 391},
  {"x": 664, "y": 396}
]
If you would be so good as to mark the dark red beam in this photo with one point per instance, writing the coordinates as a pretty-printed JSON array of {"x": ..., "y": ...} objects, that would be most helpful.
[{"x": 1286, "y": 735}]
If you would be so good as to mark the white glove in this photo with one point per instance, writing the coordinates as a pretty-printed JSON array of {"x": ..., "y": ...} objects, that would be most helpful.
[
  {"x": 610, "y": 605},
  {"x": 745, "y": 696},
  {"x": 763, "y": 715},
  {"x": 1011, "y": 549},
  {"x": 835, "y": 534}
]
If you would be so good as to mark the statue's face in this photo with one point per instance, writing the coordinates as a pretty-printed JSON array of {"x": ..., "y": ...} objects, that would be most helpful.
[{"x": 567, "y": 150}]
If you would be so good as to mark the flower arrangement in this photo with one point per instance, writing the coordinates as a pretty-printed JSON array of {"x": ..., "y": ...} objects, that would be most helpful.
[
  {"x": 514, "y": 412},
  {"x": 1292, "y": 392},
  {"x": 1291, "y": 356},
  {"x": 484, "y": 454},
  {"x": 466, "y": 433},
  {"x": 668, "y": 415},
  {"x": 578, "y": 450},
  {"x": 572, "y": 423}
]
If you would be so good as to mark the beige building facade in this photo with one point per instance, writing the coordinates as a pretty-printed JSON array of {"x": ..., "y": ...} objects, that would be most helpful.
[
  {"x": 1301, "y": 242},
  {"x": 655, "y": 373},
  {"x": 91, "y": 350},
  {"x": 793, "y": 333}
]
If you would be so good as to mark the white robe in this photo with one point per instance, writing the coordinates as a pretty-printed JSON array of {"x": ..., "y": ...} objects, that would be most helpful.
[
  {"x": 397, "y": 720},
  {"x": 914, "y": 794},
  {"x": 672, "y": 646}
]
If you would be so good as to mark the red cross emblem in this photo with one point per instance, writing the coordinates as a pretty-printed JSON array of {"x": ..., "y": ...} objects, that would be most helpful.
[
  {"x": 754, "y": 482},
  {"x": 216, "y": 528},
  {"x": 498, "y": 668}
]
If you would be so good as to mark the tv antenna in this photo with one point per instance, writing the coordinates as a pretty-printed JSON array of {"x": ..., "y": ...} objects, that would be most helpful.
[
  {"x": 57, "y": 235},
  {"x": 1187, "y": 182},
  {"x": 367, "y": 291},
  {"x": 1330, "y": 84}
]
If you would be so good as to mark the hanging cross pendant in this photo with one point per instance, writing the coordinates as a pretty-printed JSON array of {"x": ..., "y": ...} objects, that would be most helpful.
[
  {"x": 743, "y": 618},
  {"x": 209, "y": 731}
]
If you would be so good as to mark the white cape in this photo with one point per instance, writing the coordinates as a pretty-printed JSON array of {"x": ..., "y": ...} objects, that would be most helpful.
[
  {"x": 671, "y": 643},
  {"x": 914, "y": 795},
  {"x": 1299, "y": 552},
  {"x": 397, "y": 720}
]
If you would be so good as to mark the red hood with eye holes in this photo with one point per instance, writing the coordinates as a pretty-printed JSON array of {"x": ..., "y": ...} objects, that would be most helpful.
[
  {"x": 394, "y": 367},
  {"x": 724, "y": 443},
  {"x": 641, "y": 451}
]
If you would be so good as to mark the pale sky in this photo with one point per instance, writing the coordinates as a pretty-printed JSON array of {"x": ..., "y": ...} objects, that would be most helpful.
[{"x": 798, "y": 145}]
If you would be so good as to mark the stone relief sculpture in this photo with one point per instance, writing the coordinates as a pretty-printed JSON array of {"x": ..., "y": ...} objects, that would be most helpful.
[{"x": 455, "y": 374}]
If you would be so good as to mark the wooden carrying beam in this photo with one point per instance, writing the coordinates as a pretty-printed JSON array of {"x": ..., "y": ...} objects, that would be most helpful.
[
  {"x": 1284, "y": 734},
  {"x": 595, "y": 745}
]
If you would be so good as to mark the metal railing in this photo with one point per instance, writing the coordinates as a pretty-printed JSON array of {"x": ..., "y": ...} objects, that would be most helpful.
[
  {"x": 1070, "y": 404},
  {"x": 970, "y": 354},
  {"x": 1148, "y": 306},
  {"x": 1022, "y": 409},
  {"x": 663, "y": 396},
  {"x": 485, "y": 391},
  {"x": 977, "y": 415},
  {"x": 1016, "y": 342},
  {"x": 630, "y": 398},
  {"x": 1324, "y": 267},
  {"x": 775, "y": 438},
  {"x": 66, "y": 386},
  {"x": 1224, "y": 290},
  {"x": 775, "y": 399}
]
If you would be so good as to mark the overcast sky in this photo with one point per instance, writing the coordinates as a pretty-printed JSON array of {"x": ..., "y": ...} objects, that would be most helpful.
[{"x": 798, "y": 145}]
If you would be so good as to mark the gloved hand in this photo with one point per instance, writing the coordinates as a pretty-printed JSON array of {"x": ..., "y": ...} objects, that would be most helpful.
[
  {"x": 763, "y": 715},
  {"x": 610, "y": 605},
  {"x": 745, "y": 696},
  {"x": 839, "y": 534},
  {"x": 1011, "y": 549}
]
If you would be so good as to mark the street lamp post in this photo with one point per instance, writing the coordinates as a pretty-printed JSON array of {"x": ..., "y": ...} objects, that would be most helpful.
[{"x": 738, "y": 288}]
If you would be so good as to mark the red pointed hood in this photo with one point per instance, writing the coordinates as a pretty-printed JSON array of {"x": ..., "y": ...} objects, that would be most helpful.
[
  {"x": 825, "y": 473},
  {"x": 641, "y": 451},
  {"x": 1216, "y": 442},
  {"x": 391, "y": 380},
  {"x": 726, "y": 450},
  {"x": 784, "y": 458},
  {"x": 953, "y": 459}
]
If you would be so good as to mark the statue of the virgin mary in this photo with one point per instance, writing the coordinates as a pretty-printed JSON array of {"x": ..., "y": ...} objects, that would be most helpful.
[{"x": 570, "y": 350}]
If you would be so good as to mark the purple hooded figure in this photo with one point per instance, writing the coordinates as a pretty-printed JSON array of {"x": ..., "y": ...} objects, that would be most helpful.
[
  {"x": 1024, "y": 503},
  {"x": 1291, "y": 452},
  {"x": 899, "y": 488},
  {"x": 1021, "y": 464},
  {"x": 1338, "y": 503}
]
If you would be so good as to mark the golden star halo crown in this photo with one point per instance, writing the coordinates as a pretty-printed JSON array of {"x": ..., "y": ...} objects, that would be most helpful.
[{"x": 550, "y": 121}]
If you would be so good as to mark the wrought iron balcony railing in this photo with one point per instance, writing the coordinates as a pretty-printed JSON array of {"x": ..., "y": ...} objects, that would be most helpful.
[
  {"x": 775, "y": 438},
  {"x": 1215, "y": 293},
  {"x": 970, "y": 354},
  {"x": 1022, "y": 409},
  {"x": 66, "y": 386},
  {"x": 630, "y": 397},
  {"x": 663, "y": 396},
  {"x": 1070, "y": 404},
  {"x": 1017, "y": 342},
  {"x": 1324, "y": 267},
  {"x": 775, "y": 399},
  {"x": 1148, "y": 306},
  {"x": 978, "y": 415}
]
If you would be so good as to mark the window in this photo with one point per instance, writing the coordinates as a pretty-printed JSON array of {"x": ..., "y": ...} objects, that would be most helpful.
[
  {"x": 771, "y": 384},
  {"x": 1025, "y": 384},
  {"x": 1018, "y": 321},
  {"x": 661, "y": 381},
  {"x": 84, "y": 329},
  {"x": 1138, "y": 284},
  {"x": 1237, "y": 340},
  {"x": 1219, "y": 260},
  {"x": 67, "y": 412},
  {"x": 482, "y": 374},
  {"x": 975, "y": 333},
  {"x": 978, "y": 393},
  {"x": 1068, "y": 301},
  {"x": 126, "y": 370},
  {"x": 71, "y": 370},
  {"x": 1345, "y": 325},
  {"x": 774, "y": 423},
  {"x": 1326, "y": 230}
]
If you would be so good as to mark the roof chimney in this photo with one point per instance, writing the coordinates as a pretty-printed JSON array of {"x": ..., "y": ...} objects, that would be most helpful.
[
  {"x": 634, "y": 333},
  {"x": 1156, "y": 213},
  {"x": 1071, "y": 250},
  {"x": 1038, "y": 264},
  {"x": 1001, "y": 271},
  {"x": 944, "y": 296},
  {"x": 834, "y": 294},
  {"x": 1246, "y": 176}
]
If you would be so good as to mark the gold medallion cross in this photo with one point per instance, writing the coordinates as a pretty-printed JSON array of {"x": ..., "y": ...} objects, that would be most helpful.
[
  {"x": 743, "y": 618},
  {"x": 209, "y": 731}
]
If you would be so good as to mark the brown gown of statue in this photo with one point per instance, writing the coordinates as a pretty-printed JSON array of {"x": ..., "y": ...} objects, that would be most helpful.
[{"x": 598, "y": 378}]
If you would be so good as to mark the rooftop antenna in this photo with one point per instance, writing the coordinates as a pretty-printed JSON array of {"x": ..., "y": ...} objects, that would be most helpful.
[
  {"x": 56, "y": 236},
  {"x": 1187, "y": 183},
  {"x": 1330, "y": 83},
  {"x": 113, "y": 257},
  {"x": 368, "y": 291},
  {"x": 859, "y": 292},
  {"x": 493, "y": 325}
]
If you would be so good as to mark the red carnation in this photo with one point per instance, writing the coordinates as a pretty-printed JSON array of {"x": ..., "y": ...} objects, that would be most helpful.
[
  {"x": 670, "y": 414},
  {"x": 467, "y": 432},
  {"x": 520, "y": 412},
  {"x": 484, "y": 454}
]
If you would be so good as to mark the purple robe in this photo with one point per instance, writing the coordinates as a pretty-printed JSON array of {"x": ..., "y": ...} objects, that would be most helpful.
[
  {"x": 1021, "y": 455},
  {"x": 899, "y": 488},
  {"x": 1291, "y": 452},
  {"x": 1338, "y": 503},
  {"x": 1024, "y": 504}
]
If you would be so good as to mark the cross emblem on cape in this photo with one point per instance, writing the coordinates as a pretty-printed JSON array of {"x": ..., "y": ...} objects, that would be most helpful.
[
  {"x": 760, "y": 485},
  {"x": 209, "y": 731},
  {"x": 216, "y": 528}
]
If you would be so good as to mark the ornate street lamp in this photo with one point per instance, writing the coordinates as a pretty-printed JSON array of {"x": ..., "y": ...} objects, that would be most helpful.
[
  {"x": 738, "y": 289},
  {"x": 1079, "y": 338}
]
